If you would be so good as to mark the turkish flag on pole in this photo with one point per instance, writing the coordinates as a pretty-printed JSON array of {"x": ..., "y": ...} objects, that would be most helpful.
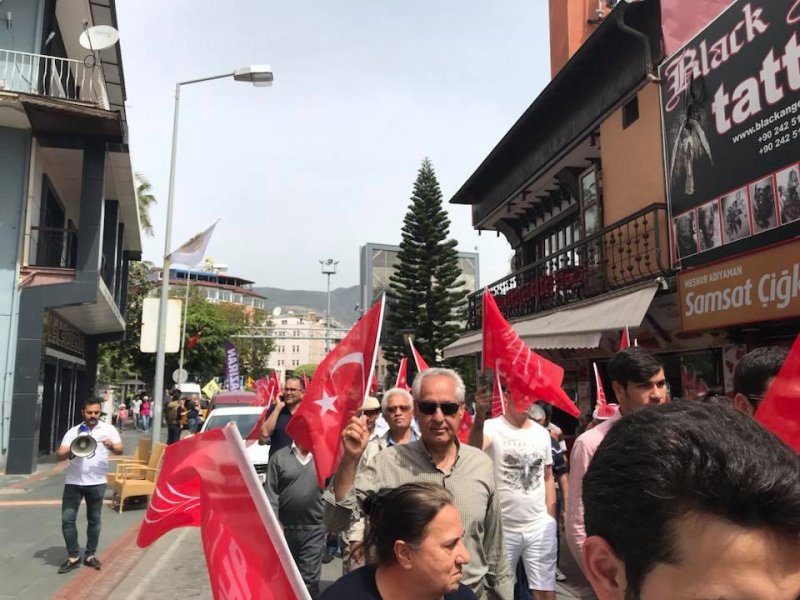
[
  {"x": 498, "y": 398},
  {"x": 626, "y": 339},
  {"x": 681, "y": 20},
  {"x": 339, "y": 388},
  {"x": 206, "y": 480},
  {"x": 420, "y": 362},
  {"x": 529, "y": 376},
  {"x": 402, "y": 374},
  {"x": 194, "y": 339},
  {"x": 780, "y": 410}
]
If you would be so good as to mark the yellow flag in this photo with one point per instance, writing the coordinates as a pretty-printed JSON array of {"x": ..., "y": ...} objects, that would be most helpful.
[
  {"x": 249, "y": 383},
  {"x": 211, "y": 388}
]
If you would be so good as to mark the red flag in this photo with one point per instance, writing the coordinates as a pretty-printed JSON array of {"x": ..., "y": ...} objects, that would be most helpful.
[
  {"x": 626, "y": 339},
  {"x": 275, "y": 390},
  {"x": 339, "y": 388},
  {"x": 601, "y": 394},
  {"x": 206, "y": 480},
  {"x": 498, "y": 398},
  {"x": 373, "y": 385},
  {"x": 681, "y": 20},
  {"x": 263, "y": 392},
  {"x": 193, "y": 340},
  {"x": 780, "y": 410},
  {"x": 465, "y": 427},
  {"x": 603, "y": 410},
  {"x": 418, "y": 360},
  {"x": 529, "y": 376},
  {"x": 402, "y": 375},
  {"x": 305, "y": 381}
]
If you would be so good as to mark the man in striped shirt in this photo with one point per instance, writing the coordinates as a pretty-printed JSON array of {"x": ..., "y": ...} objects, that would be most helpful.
[{"x": 437, "y": 458}]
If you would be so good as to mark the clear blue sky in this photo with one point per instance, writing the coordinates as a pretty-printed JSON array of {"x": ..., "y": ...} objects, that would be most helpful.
[{"x": 325, "y": 159}]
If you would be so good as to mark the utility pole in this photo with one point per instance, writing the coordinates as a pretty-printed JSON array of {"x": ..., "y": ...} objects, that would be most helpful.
[{"x": 328, "y": 268}]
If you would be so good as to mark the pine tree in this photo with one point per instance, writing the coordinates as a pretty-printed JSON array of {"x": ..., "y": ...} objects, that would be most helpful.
[{"x": 426, "y": 292}]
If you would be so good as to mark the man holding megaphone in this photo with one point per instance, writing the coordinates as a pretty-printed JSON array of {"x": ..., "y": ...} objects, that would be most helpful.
[{"x": 86, "y": 446}]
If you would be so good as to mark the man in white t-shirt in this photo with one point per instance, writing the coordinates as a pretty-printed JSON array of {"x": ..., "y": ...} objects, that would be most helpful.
[
  {"x": 521, "y": 452},
  {"x": 86, "y": 478},
  {"x": 136, "y": 410}
]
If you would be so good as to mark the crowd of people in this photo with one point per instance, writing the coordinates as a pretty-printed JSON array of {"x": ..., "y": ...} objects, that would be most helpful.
[
  {"x": 137, "y": 409},
  {"x": 690, "y": 499}
]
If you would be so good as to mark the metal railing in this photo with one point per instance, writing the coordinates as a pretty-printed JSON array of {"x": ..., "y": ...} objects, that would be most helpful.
[
  {"x": 630, "y": 251},
  {"x": 53, "y": 247},
  {"x": 53, "y": 76}
]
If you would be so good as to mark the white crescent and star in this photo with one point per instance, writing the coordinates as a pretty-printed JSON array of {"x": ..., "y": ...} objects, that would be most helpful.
[{"x": 328, "y": 403}]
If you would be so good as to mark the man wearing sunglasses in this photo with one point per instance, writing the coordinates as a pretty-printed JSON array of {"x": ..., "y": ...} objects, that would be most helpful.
[
  {"x": 754, "y": 375},
  {"x": 436, "y": 458}
]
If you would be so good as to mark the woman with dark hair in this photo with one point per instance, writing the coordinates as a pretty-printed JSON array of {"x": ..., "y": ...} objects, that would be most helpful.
[{"x": 414, "y": 535}]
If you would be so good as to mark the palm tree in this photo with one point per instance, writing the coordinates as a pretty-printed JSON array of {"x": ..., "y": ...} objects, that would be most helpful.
[{"x": 145, "y": 197}]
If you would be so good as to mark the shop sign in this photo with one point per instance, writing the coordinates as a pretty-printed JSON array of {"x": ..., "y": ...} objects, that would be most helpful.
[
  {"x": 730, "y": 102},
  {"x": 760, "y": 286},
  {"x": 63, "y": 335}
]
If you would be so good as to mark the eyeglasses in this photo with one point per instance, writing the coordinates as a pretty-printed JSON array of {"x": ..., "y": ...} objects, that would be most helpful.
[
  {"x": 393, "y": 409},
  {"x": 292, "y": 389},
  {"x": 429, "y": 408}
]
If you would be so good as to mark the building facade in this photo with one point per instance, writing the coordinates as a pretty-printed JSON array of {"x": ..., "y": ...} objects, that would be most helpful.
[
  {"x": 69, "y": 222},
  {"x": 301, "y": 339},
  {"x": 584, "y": 188},
  {"x": 214, "y": 283}
]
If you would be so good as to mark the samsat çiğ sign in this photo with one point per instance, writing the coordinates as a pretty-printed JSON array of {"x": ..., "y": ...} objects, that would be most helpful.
[
  {"x": 731, "y": 114},
  {"x": 755, "y": 287}
]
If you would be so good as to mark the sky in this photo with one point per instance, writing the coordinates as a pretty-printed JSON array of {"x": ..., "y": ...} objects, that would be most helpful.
[{"x": 324, "y": 160}]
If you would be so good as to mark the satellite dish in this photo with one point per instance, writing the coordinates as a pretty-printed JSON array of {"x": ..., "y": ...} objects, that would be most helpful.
[
  {"x": 99, "y": 37},
  {"x": 276, "y": 312}
]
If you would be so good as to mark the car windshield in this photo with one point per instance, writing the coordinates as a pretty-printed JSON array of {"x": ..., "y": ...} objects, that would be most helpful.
[{"x": 244, "y": 423}]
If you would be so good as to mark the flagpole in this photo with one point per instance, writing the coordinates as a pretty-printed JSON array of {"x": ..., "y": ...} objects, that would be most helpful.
[
  {"x": 185, "y": 315},
  {"x": 374, "y": 352}
]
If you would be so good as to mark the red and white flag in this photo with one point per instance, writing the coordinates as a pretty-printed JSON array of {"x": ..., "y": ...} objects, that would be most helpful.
[
  {"x": 603, "y": 410},
  {"x": 626, "y": 339},
  {"x": 206, "y": 480},
  {"x": 339, "y": 388},
  {"x": 498, "y": 398},
  {"x": 530, "y": 377},
  {"x": 305, "y": 381},
  {"x": 418, "y": 360},
  {"x": 465, "y": 427},
  {"x": 681, "y": 20},
  {"x": 402, "y": 375},
  {"x": 780, "y": 410}
]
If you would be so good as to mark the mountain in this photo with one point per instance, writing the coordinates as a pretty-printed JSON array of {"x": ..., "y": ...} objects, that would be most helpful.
[{"x": 343, "y": 301}]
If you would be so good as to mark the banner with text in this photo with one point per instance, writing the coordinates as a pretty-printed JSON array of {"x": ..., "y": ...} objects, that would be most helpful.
[
  {"x": 731, "y": 112},
  {"x": 760, "y": 286},
  {"x": 232, "y": 368}
]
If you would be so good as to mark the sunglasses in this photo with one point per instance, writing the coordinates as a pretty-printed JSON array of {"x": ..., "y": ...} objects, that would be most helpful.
[
  {"x": 429, "y": 408},
  {"x": 394, "y": 409},
  {"x": 372, "y": 412}
]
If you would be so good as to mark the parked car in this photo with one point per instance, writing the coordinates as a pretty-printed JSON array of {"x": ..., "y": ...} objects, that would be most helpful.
[
  {"x": 240, "y": 398},
  {"x": 245, "y": 418}
]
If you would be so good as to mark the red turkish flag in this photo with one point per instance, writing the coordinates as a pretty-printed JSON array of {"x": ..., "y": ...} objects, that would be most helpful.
[
  {"x": 402, "y": 375},
  {"x": 418, "y": 360},
  {"x": 339, "y": 388},
  {"x": 681, "y": 20},
  {"x": 530, "y": 377},
  {"x": 206, "y": 480},
  {"x": 780, "y": 410},
  {"x": 263, "y": 395},
  {"x": 194, "y": 339},
  {"x": 465, "y": 427}
]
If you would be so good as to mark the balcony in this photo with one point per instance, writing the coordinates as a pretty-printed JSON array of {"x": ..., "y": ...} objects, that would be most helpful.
[
  {"x": 55, "y": 77},
  {"x": 631, "y": 251},
  {"x": 53, "y": 247}
]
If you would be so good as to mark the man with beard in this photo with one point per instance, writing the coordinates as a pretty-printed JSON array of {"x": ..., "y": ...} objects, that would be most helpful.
[
  {"x": 437, "y": 458},
  {"x": 85, "y": 478},
  {"x": 522, "y": 458},
  {"x": 637, "y": 378},
  {"x": 273, "y": 431},
  {"x": 754, "y": 375}
]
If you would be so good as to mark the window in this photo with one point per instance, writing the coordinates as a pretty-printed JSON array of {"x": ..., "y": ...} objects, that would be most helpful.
[
  {"x": 284, "y": 322},
  {"x": 630, "y": 112},
  {"x": 295, "y": 363}
]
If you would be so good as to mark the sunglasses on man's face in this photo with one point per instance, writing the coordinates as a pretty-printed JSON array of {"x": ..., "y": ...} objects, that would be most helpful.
[
  {"x": 429, "y": 408},
  {"x": 393, "y": 409},
  {"x": 372, "y": 412}
]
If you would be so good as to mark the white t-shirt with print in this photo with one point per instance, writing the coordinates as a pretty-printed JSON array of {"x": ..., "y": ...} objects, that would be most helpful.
[
  {"x": 520, "y": 457},
  {"x": 90, "y": 471}
]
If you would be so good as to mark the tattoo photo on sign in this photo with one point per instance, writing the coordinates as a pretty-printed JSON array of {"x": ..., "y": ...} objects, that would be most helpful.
[
  {"x": 788, "y": 194},
  {"x": 685, "y": 235},
  {"x": 736, "y": 215},
  {"x": 730, "y": 102}
]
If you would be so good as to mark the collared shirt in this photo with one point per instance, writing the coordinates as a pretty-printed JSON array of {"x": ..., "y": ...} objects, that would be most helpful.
[
  {"x": 470, "y": 480},
  {"x": 304, "y": 460},
  {"x": 90, "y": 470},
  {"x": 579, "y": 459}
]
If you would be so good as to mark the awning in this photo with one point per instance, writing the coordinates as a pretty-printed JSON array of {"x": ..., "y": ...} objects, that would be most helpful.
[{"x": 578, "y": 327}]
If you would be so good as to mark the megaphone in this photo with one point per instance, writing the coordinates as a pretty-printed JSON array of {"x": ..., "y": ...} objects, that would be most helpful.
[{"x": 83, "y": 446}]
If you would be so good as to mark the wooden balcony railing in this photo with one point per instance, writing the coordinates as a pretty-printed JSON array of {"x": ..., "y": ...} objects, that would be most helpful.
[{"x": 630, "y": 251}]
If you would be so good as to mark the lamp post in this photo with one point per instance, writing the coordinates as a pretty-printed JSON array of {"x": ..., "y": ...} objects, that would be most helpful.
[
  {"x": 258, "y": 75},
  {"x": 328, "y": 268}
]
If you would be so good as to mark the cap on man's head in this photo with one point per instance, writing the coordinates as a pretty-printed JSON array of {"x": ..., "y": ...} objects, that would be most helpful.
[{"x": 372, "y": 403}]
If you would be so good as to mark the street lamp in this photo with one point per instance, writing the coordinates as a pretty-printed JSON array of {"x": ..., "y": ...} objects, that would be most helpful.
[
  {"x": 328, "y": 268},
  {"x": 258, "y": 75}
]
